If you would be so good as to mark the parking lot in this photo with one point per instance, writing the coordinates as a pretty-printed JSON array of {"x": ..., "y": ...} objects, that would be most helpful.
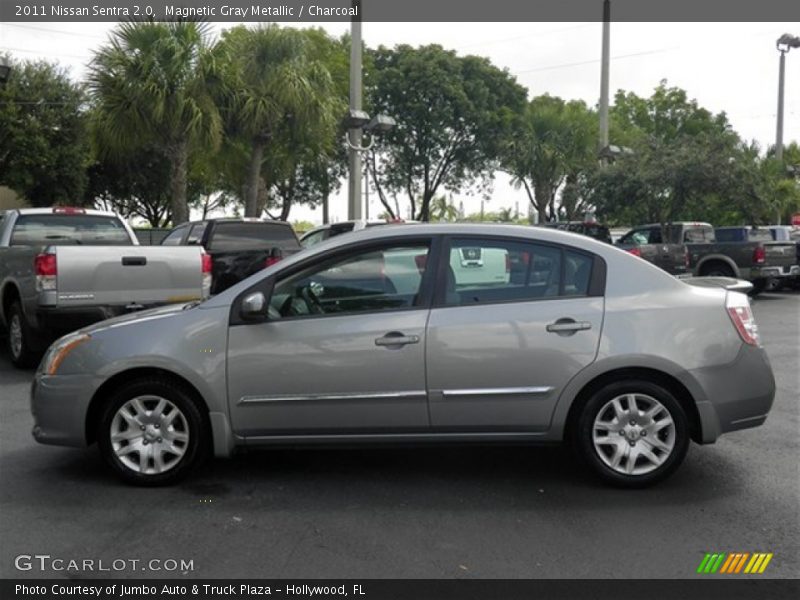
[{"x": 504, "y": 512}]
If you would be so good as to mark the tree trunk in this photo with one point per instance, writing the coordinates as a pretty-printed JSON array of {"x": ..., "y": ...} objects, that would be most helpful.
[
  {"x": 254, "y": 178},
  {"x": 326, "y": 192},
  {"x": 178, "y": 168},
  {"x": 541, "y": 197}
]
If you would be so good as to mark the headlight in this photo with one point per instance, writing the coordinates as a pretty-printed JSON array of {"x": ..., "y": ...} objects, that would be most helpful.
[{"x": 60, "y": 350}]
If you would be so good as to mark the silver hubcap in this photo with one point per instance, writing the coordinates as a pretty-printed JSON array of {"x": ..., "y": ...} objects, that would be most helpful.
[
  {"x": 15, "y": 336},
  {"x": 149, "y": 434},
  {"x": 633, "y": 434}
]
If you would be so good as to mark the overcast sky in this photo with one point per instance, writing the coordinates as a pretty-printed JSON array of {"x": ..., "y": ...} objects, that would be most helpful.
[{"x": 731, "y": 67}]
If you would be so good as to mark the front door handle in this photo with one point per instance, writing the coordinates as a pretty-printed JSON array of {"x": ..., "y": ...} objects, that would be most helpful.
[
  {"x": 568, "y": 326},
  {"x": 395, "y": 338}
]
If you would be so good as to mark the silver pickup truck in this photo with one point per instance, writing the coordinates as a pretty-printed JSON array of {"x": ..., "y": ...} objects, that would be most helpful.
[{"x": 63, "y": 268}]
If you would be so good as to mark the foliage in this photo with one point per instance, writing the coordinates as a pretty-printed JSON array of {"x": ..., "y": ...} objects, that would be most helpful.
[
  {"x": 151, "y": 84},
  {"x": 554, "y": 141},
  {"x": 44, "y": 145},
  {"x": 452, "y": 114},
  {"x": 278, "y": 102}
]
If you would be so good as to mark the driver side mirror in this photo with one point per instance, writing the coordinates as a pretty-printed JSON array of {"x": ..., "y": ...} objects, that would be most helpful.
[{"x": 254, "y": 307}]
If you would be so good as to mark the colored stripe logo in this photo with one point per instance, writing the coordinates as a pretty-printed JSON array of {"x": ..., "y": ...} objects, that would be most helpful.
[{"x": 734, "y": 563}]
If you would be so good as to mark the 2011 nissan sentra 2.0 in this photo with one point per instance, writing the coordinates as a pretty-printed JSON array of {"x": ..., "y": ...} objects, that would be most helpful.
[{"x": 419, "y": 333}]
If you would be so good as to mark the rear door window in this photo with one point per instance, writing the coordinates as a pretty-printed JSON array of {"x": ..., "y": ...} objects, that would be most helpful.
[
  {"x": 196, "y": 233},
  {"x": 482, "y": 271},
  {"x": 174, "y": 237}
]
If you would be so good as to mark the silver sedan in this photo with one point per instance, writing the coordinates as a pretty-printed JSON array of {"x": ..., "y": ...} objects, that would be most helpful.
[{"x": 417, "y": 334}]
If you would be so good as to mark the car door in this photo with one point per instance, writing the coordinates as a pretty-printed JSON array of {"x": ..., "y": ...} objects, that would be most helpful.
[
  {"x": 500, "y": 351},
  {"x": 342, "y": 350}
]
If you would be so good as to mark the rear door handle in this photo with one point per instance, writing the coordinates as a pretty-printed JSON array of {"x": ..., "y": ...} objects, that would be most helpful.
[
  {"x": 568, "y": 326},
  {"x": 395, "y": 338},
  {"x": 134, "y": 261}
]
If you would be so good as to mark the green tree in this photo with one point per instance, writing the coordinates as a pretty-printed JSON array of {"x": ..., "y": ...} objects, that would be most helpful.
[
  {"x": 44, "y": 144},
  {"x": 453, "y": 114},
  {"x": 554, "y": 142},
  {"x": 443, "y": 209},
  {"x": 151, "y": 84},
  {"x": 683, "y": 161},
  {"x": 277, "y": 98}
]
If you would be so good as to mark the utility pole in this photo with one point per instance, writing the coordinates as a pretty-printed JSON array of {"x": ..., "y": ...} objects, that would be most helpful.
[
  {"x": 354, "y": 181},
  {"x": 781, "y": 84},
  {"x": 604, "y": 73}
]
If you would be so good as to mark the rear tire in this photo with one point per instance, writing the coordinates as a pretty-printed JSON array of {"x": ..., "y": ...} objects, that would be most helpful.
[
  {"x": 632, "y": 433},
  {"x": 717, "y": 270},
  {"x": 152, "y": 432},
  {"x": 759, "y": 285},
  {"x": 24, "y": 347}
]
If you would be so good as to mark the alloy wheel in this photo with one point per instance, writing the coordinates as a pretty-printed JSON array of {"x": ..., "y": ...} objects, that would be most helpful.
[{"x": 633, "y": 434}]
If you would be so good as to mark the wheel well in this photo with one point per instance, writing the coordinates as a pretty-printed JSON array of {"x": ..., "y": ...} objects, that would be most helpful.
[
  {"x": 675, "y": 387},
  {"x": 715, "y": 262},
  {"x": 120, "y": 379}
]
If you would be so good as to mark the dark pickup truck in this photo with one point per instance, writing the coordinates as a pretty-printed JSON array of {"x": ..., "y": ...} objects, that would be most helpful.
[
  {"x": 647, "y": 242},
  {"x": 755, "y": 260},
  {"x": 238, "y": 247}
]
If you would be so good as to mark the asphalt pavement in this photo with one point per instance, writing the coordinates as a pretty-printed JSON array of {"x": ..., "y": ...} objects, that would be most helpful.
[{"x": 496, "y": 512}]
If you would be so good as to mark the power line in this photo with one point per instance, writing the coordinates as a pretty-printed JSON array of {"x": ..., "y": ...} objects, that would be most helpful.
[
  {"x": 595, "y": 60},
  {"x": 48, "y": 54},
  {"x": 526, "y": 35},
  {"x": 46, "y": 30}
]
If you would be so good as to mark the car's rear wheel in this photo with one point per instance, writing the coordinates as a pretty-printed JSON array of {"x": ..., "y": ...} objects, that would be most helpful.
[
  {"x": 152, "y": 432},
  {"x": 632, "y": 433},
  {"x": 24, "y": 346}
]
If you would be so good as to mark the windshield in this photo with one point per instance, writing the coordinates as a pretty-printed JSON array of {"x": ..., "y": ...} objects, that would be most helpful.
[{"x": 88, "y": 230}]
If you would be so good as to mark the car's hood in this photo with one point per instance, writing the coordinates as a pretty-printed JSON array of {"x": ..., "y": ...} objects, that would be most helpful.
[{"x": 136, "y": 317}]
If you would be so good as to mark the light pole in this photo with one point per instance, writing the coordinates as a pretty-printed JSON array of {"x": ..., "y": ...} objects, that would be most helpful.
[
  {"x": 604, "y": 74},
  {"x": 5, "y": 70},
  {"x": 784, "y": 43},
  {"x": 359, "y": 122},
  {"x": 354, "y": 134}
]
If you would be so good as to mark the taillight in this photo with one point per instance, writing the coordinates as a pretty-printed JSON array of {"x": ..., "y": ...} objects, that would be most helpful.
[
  {"x": 275, "y": 256},
  {"x": 635, "y": 252},
  {"x": 205, "y": 269},
  {"x": 68, "y": 210},
  {"x": 759, "y": 255},
  {"x": 46, "y": 269},
  {"x": 738, "y": 307}
]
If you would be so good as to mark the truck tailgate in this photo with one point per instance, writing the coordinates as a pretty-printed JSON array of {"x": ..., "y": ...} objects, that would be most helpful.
[
  {"x": 126, "y": 275},
  {"x": 780, "y": 254}
]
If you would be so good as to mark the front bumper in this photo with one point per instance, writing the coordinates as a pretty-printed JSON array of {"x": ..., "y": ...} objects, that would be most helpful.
[
  {"x": 738, "y": 395},
  {"x": 59, "y": 405}
]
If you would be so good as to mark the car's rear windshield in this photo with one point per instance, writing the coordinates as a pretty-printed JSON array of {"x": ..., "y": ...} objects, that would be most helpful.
[
  {"x": 230, "y": 237},
  {"x": 55, "y": 229}
]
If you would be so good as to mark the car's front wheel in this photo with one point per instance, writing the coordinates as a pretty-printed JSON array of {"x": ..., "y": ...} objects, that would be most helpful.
[
  {"x": 152, "y": 432},
  {"x": 632, "y": 433}
]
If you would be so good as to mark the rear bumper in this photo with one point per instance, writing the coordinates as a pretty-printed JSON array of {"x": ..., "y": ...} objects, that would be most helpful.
[
  {"x": 59, "y": 405},
  {"x": 65, "y": 320},
  {"x": 778, "y": 271},
  {"x": 738, "y": 395}
]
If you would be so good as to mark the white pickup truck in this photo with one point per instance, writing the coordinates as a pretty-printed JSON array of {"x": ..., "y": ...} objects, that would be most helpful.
[{"x": 63, "y": 268}]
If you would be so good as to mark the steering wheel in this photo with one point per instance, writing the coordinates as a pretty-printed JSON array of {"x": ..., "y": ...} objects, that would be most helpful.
[{"x": 312, "y": 301}]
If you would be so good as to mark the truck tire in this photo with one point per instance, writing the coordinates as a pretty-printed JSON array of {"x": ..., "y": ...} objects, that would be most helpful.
[
  {"x": 717, "y": 269},
  {"x": 24, "y": 346},
  {"x": 759, "y": 285}
]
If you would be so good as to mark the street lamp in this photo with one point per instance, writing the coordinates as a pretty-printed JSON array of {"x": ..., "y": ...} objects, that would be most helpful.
[
  {"x": 784, "y": 43},
  {"x": 5, "y": 70},
  {"x": 604, "y": 74},
  {"x": 360, "y": 122}
]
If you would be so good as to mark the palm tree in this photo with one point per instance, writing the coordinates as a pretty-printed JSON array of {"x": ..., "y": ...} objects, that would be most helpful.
[
  {"x": 277, "y": 98},
  {"x": 150, "y": 84},
  {"x": 442, "y": 209}
]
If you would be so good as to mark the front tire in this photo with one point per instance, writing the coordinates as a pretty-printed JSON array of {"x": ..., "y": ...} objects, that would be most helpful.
[
  {"x": 632, "y": 433},
  {"x": 152, "y": 432}
]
